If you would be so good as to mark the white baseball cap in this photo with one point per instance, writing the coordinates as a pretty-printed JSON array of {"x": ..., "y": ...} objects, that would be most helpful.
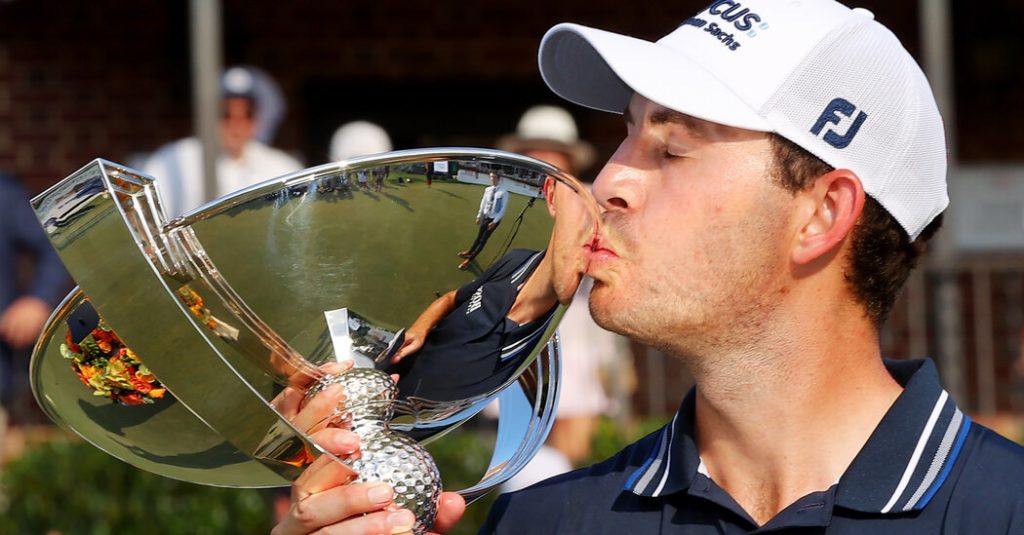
[
  {"x": 829, "y": 78},
  {"x": 358, "y": 138}
]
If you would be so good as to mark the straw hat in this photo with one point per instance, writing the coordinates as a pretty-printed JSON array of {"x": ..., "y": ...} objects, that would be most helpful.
[{"x": 550, "y": 128}]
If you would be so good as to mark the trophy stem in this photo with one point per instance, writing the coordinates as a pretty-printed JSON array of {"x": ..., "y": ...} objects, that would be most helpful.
[{"x": 385, "y": 455}]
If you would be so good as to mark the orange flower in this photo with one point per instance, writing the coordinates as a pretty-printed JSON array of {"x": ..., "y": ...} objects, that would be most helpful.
[
  {"x": 102, "y": 334},
  {"x": 131, "y": 399},
  {"x": 104, "y": 339},
  {"x": 157, "y": 393},
  {"x": 141, "y": 386},
  {"x": 88, "y": 371},
  {"x": 81, "y": 376}
]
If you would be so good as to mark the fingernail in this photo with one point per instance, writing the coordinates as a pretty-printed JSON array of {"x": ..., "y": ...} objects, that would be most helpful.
[
  {"x": 346, "y": 443},
  {"x": 401, "y": 521},
  {"x": 379, "y": 494}
]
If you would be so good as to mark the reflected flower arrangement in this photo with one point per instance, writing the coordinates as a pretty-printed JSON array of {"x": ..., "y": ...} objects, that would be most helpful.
[{"x": 110, "y": 369}]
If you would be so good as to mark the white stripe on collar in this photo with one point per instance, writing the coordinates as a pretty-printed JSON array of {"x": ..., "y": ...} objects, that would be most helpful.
[{"x": 926, "y": 433}]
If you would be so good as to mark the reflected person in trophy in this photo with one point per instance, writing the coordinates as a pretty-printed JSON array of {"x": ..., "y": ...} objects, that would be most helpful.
[
  {"x": 471, "y": 340},
  {"x": 492, "y": 209}
]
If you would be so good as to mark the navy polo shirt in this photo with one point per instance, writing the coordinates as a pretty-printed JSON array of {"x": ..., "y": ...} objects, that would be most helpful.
[
  {"x": 927, "y": 468},
  {"x": 475, "y": 348}
]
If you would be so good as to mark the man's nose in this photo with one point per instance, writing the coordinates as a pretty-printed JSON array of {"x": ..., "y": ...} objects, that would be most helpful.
[{"x": 619, "y": 185}]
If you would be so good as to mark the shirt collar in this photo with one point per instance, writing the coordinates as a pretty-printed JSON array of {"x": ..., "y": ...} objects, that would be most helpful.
[
  {"x": 902, "y": 465},
  {"x": 913, "y": 449},
  {"x": 673, "y": 461}
]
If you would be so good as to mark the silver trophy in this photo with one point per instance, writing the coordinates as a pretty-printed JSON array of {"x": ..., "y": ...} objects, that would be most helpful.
[{"x": 195, "y": 348}]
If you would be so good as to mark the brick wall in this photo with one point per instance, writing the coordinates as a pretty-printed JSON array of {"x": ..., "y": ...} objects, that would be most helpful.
[
  {"x": 109, "y": 79},
  {"x": 79, "y": 81}
]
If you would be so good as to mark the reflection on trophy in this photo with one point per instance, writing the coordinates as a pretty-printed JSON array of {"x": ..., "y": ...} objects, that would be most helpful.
[{"x": 191, "y": 347}]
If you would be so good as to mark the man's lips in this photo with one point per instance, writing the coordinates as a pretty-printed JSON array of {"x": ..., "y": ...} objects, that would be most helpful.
[{"x": 598, "y": 250}]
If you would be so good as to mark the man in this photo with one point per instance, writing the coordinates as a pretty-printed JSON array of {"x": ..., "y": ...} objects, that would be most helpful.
[
  {"x": 549, "y": 133},
  {"x": 243, "y": 160},
  {"x": 488, "y": 217},
  {"x": 784, "y": 165},
  {"x": 23, "y": 310},
  {"x": 471, "y": 340}
]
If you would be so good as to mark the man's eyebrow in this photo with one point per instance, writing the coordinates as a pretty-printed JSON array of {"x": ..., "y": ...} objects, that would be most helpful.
[{"x": 697, "y": 127}]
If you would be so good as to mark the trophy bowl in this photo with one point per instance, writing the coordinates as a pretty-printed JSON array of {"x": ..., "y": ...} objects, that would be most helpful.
[{"x": 191, "y": 346}]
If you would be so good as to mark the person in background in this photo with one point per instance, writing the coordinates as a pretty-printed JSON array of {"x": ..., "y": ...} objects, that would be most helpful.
[
  {"x": 24, "y": 308},
  {"x": 358, "y": 138},
  {"x": 270, "y": 104},
  {"x": 549, "y": 134},
  {"x": 242, "y": 162},
  {"x": 492, "y": 209}
]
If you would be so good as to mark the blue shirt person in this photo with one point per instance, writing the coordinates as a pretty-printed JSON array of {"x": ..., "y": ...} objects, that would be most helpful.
[{"x": 23, "y": 308}]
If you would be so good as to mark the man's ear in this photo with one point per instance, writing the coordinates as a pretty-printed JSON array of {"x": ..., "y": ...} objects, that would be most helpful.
[
  {"x": 830, "y": 209},
  {"x": 549, "y": 194}
]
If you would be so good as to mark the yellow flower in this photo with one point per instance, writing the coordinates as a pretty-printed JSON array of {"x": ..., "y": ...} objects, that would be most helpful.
[
  {"x": 88, "y": 371},
  {"x": 117, "y": 373},
  {"x": 130, "y": 356}
]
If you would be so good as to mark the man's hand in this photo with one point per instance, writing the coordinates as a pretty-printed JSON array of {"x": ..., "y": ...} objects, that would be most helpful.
[
  {"x": 492, "y": 225},
  {"x": 416, "y": 334},
  {"x": 324, "y": 502},
  {"x": 412, "y": 343},
  {"x": 22, "y": 322}
]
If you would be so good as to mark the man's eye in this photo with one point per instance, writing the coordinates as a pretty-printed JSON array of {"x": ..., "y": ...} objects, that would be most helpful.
[{"x": 669, "y": 156}]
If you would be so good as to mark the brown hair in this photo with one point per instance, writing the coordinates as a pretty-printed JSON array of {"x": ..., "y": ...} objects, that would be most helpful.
[{"x": 882, "y": 254}]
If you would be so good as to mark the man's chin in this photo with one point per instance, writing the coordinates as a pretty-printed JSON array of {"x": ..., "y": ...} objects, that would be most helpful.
[
  {"x": 606, "y": 313},
  {"x": 565, "y": 290}
]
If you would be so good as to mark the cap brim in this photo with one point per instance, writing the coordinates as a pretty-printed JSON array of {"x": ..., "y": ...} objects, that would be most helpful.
[{"x": 602, "y": 70}]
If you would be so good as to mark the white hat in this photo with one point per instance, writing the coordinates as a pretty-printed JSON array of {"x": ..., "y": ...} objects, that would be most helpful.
[
  {"x": 358, "y": 138},
  {"x": 550, "y": 128},
  {"x": 826, "y": 77},
  {"x": 238, "y": 82}
]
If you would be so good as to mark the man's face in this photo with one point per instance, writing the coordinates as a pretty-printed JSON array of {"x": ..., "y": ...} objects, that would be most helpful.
[
  {"x": 571, "y": 235},
  {"x": 693, "y": 243},
  {"x": 494, "y": 179},
  {"x": 237, "y": 125}
]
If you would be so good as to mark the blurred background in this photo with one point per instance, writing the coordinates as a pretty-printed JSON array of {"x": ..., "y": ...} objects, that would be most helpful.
[{"x": 119, "y": 80}]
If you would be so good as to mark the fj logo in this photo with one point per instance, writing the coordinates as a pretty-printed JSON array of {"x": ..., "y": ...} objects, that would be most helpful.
[{"x": 839, "y": 106}]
